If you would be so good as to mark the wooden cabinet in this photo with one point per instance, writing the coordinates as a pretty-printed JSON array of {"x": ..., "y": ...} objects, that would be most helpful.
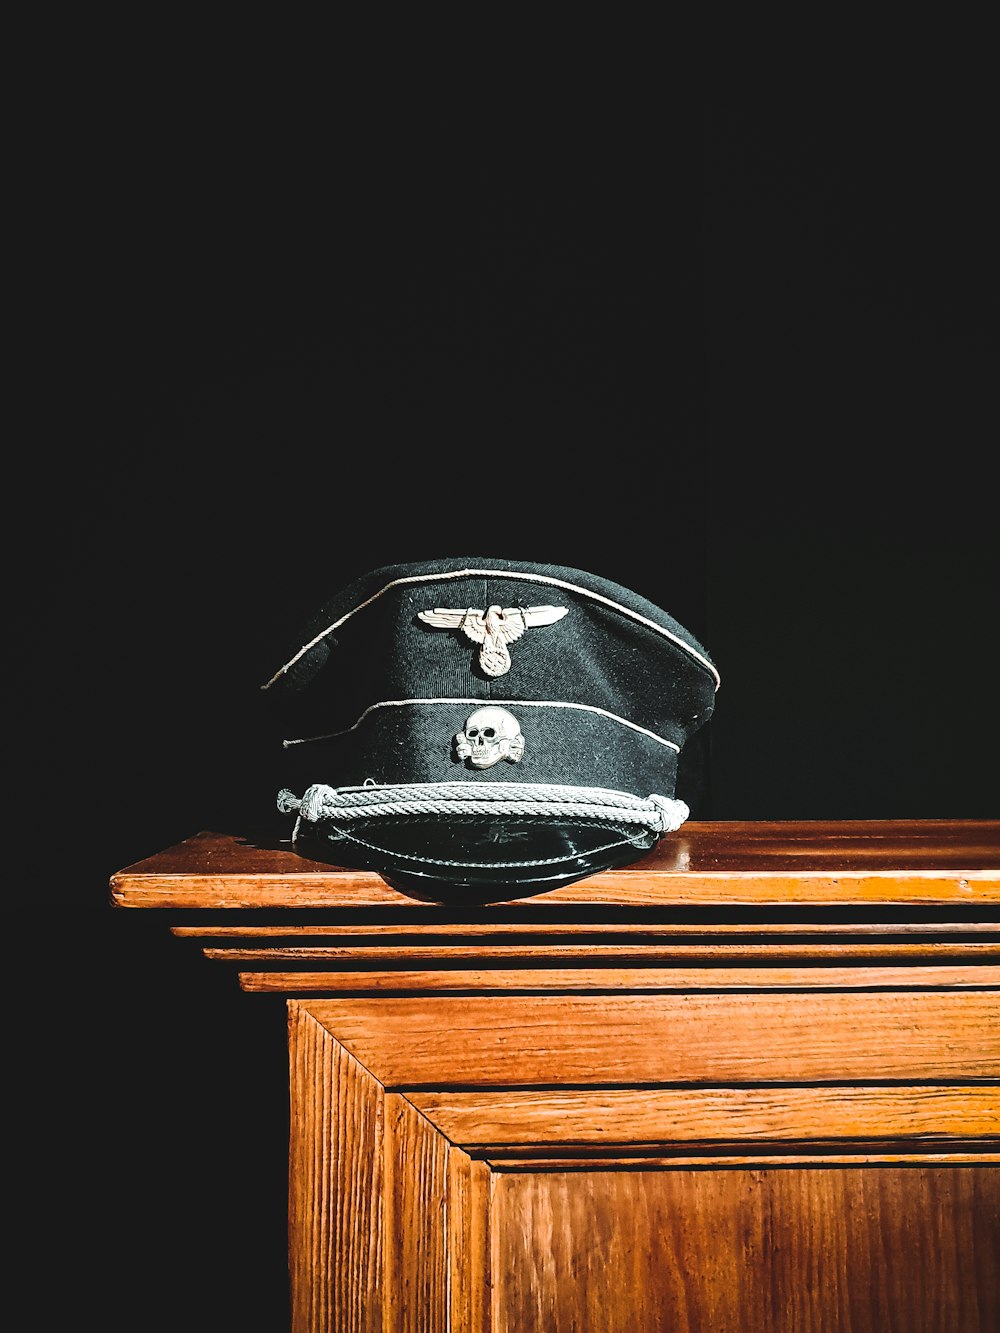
[{"x": 751, "y": 1082}]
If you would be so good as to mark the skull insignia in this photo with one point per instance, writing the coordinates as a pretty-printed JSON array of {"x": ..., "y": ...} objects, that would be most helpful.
[{"x": 490, "y": 734}]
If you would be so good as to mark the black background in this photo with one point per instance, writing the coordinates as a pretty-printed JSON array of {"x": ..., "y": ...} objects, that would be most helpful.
[{"x": 730, "y": 343}]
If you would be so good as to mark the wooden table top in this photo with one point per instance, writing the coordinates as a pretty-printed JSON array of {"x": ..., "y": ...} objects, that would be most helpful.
[{"x": 937, "y": 863}]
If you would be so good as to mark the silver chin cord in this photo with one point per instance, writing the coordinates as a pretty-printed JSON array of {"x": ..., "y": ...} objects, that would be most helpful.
[{"x": 660, "y": 814}]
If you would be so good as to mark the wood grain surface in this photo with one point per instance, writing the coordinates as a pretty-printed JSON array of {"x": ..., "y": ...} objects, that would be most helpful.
[
  {"x": 415, "y": 1294},
  {"x": 669, "y": 1038},
  {"x": 751, "y": 1082},
  {"x": 613, "y": 955},
  {"x": 470, "y": 1199},
  {"x": 484, "y": 934},
  {"x": 582, "y": 978},
  {"x": 866, "y": 1250},
  {"x": 335, "y": 1215},
  {"x": 834, "y": 863},
  {"x": 600, "y": 1117}
]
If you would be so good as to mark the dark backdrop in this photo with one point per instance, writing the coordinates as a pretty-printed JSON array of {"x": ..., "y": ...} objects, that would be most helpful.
[{"x": 735, "y": 349}]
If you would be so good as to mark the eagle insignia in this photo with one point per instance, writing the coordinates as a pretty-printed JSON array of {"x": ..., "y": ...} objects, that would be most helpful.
[{"x": 493, "y": 629}]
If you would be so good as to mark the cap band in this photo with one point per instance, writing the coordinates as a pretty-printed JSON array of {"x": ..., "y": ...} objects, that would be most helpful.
[{"x": 483, "y": 702}]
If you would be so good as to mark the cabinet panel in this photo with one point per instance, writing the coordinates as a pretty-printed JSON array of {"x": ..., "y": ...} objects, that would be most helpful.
[
  {"x": 750, "y": 1083},
  {"x": 814, "y": 1250},
  {"x": 697, "y": 1037}
]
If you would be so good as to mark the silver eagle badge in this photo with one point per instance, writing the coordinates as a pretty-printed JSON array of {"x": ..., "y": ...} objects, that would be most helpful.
[{"x": 493, "y": 629}]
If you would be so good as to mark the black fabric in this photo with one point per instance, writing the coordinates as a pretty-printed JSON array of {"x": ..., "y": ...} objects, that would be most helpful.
[
  {"x": 601, "y": 698},
  {"x": 416, "y": 743}
]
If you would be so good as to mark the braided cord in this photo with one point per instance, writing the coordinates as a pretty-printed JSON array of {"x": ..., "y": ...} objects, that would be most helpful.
[{"x": 538, "y": 800}]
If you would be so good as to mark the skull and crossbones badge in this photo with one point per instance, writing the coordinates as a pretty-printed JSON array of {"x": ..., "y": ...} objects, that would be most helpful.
[{"x": 489, "y": 735}]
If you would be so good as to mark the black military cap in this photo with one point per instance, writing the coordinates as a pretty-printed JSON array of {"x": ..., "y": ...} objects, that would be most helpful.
[{"x": 478, "y": 722}]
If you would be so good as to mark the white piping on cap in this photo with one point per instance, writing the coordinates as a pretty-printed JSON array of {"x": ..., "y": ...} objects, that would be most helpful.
[
  {"x": 504, "y": 703},
  {"x": 496, "y": 574}
]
